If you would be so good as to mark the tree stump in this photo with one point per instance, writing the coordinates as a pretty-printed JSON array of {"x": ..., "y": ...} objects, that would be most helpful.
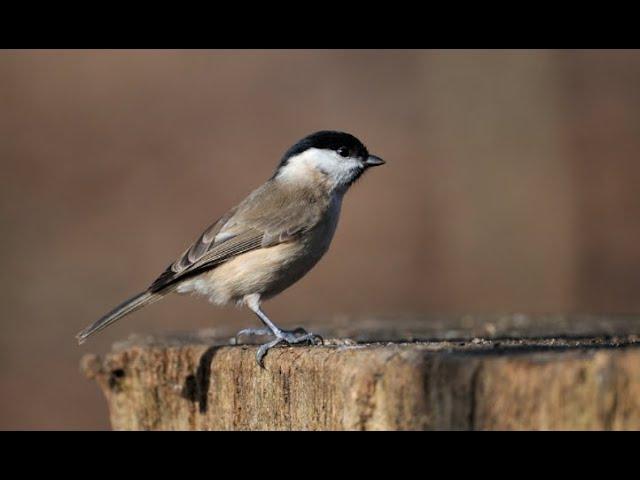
[{"x": 467, "y": 373}]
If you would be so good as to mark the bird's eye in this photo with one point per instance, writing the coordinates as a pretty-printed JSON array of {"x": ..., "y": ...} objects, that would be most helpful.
[{"x": 343, "y": 151}]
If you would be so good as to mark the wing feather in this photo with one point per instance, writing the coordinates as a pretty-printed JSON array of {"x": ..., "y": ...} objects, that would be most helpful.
[{"x": 267, "y": 217}]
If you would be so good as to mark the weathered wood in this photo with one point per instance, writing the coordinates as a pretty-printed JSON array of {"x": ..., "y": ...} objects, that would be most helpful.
[{"x": 464, "y": 373}]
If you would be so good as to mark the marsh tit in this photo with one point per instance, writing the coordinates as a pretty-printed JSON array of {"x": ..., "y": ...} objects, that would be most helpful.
[{"x": 268, "y": 241}]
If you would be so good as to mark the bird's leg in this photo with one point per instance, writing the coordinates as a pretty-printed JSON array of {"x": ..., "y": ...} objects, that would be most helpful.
[
  {"x": 254, "y": 302},
  {"x": 289, "y": 337}
]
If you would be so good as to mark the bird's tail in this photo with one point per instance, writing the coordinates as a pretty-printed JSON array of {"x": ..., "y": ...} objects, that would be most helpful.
[{"x": 117, "y": 313}]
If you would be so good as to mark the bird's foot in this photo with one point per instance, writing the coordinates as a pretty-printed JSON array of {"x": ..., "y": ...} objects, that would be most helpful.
[
  {"x": 250, "y": 332},
  {"x": 288, "y": 337},
  {"x": 263, "y": 332}
]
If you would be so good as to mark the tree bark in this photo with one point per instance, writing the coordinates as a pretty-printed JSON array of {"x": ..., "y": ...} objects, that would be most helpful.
[{"x": 475, "y": 373}]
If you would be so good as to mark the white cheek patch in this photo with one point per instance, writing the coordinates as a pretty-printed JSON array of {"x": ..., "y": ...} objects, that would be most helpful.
[{"x": 338, "y": 169}]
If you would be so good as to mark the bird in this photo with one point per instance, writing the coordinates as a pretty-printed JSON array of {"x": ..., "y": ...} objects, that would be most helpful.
[{"x": 268, "y": 241}]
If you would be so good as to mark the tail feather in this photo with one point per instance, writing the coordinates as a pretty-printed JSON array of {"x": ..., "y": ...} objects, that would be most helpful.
[{"x": 117, "y": 313}]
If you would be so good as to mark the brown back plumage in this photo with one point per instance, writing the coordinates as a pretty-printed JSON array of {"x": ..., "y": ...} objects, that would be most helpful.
[{"x": 272, "y": 214}]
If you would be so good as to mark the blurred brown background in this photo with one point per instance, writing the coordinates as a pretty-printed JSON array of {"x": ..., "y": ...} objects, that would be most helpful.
[{"x": 511, "y": 185}]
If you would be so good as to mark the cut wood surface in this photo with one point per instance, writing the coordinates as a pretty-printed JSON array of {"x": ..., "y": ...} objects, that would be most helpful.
[{"x": 470, "y": 372}]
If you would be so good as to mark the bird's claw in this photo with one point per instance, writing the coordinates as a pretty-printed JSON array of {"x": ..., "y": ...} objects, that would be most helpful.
[
  {"x": 294, "y": 337},
  {"x": 250, "y": 332}
]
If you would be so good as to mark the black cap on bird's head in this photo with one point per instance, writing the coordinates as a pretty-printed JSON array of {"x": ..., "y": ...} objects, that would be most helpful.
[{"x": 345, "y": 144}]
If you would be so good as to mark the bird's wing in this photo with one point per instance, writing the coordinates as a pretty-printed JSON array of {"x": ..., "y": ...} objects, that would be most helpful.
[{"x": 267, "y": 217}]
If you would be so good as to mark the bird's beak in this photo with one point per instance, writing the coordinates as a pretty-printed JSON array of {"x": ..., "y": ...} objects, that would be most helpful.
[{"x": 373, "y": 161}]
